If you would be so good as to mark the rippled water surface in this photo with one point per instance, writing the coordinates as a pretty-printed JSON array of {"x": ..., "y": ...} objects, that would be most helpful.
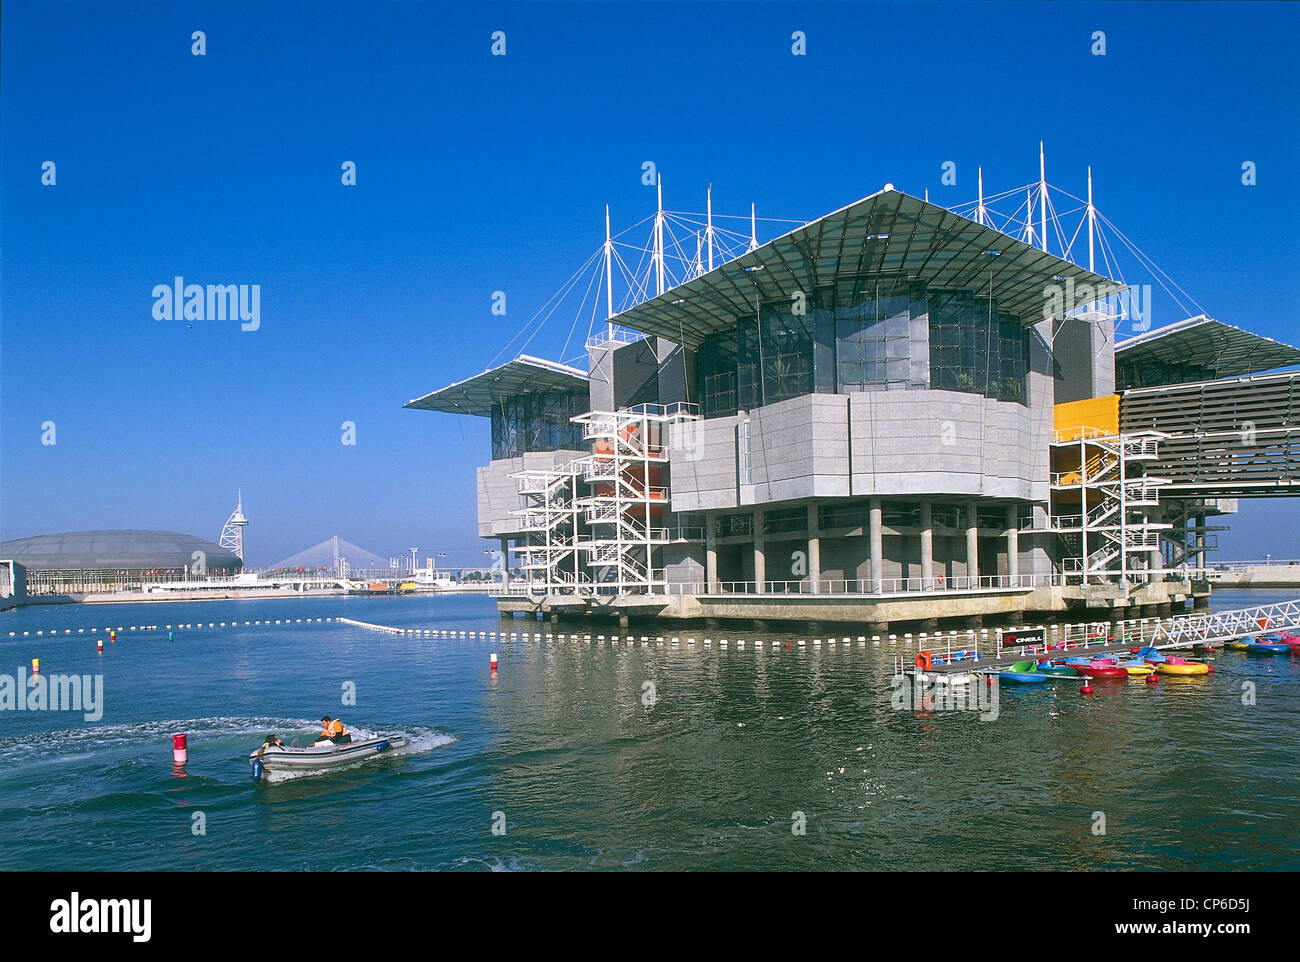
[{"x": 562, "y": 749}]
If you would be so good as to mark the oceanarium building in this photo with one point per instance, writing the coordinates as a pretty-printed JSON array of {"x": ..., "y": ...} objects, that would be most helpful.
[{"x": 893, "y": 413}]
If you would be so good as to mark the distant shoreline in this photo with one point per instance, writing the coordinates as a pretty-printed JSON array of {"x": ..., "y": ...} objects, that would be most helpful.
[{"x": 122, "y": 598}]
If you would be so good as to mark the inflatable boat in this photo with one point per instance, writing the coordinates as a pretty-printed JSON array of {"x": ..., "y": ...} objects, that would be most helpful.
[
  {"x": 1181, "y": 666},
  {"x": 321, "y": 756}
]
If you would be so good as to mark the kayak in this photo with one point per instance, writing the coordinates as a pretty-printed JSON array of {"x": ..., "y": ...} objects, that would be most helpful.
[
  {"x": 279, "y": 759},
  {"x": 1186, "y": 668}
]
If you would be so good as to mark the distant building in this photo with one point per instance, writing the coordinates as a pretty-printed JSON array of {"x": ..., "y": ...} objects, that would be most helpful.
[{"x": 82, "y": 562}]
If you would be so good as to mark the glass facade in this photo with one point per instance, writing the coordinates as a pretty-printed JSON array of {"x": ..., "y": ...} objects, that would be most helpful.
[
  {"x": 873, "y": 332},
  {"x": 537, "y": 422},
  {"x": 976, "y": 349}
]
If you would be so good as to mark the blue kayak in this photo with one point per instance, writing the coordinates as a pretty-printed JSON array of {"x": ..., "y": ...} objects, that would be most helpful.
[{"x": 1261, "y": 648}]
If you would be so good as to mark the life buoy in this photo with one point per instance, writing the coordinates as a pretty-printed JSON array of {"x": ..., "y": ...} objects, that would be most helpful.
[
  {"x": 924, "y": 660},
  {"x": 940, "y": 581}
]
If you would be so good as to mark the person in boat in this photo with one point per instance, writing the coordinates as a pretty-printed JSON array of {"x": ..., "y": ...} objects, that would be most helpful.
[
  {"x": 332, "y": 728},
  {"x": 272, "y": 741}
]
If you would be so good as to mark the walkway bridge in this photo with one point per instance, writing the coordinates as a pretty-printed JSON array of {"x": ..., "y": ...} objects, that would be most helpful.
[{"x": 960, "y": 653}]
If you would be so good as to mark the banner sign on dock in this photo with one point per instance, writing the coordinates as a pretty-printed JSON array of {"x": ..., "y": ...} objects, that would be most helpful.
[{"x": 1024, "y": 636}]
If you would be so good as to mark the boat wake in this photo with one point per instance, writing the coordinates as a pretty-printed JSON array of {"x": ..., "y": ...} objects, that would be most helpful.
[{"x": 210, "y": 738}]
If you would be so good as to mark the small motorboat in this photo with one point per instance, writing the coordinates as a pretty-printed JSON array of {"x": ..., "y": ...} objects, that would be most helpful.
[
  {"x": 1268, "y": 648},
  {"x": 1054, "y": 667},
  {"x": 1102, "y": 669},
  {"x": 1137, "y": 668},
  {"x": 320, "y": 756},
  {"x": 1021, "y": 673}
]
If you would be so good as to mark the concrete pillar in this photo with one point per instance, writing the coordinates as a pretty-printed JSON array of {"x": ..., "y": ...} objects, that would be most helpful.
[
  {"x": 1013, "y": 541},
  {"x": 814, "y": 549},
  {"x": 505, "y": 561},
  {"x": 1200, "y": 541},
  {"x": 972, "y": 541},
  {"x": 711, "y": 554},
  {"x": 760, "y": 554},
  {"x": 622, "y": 621},
  {"x": 877, "y": 552},
  {"x": 927, "y": 542}
]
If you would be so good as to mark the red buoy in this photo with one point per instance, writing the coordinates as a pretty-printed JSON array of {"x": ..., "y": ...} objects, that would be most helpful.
[
  {"x": 494, "y": 662},
  {"x": 1085, "y": 689},
  {"x": 99, "y": 644},
  {"x": 180, "y": 749},
  {"x": 1153, "y": 679}
]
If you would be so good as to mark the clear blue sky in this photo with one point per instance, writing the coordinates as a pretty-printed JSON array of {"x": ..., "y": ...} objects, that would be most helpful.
[{"x": 479, "y": 173}]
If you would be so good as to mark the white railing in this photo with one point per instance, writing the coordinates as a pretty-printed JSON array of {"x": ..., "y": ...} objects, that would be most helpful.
[
  {"x": 867, "y": 586},
  {"x": 619, "y": 335},
  {"x": 1262, "y": 563}
]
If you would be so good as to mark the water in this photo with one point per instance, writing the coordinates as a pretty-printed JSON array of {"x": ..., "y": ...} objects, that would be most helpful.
[{"x": 586, "y": 776}]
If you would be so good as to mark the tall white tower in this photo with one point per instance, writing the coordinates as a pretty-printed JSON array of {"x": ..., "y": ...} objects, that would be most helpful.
[{"x": 232, "y": 535}]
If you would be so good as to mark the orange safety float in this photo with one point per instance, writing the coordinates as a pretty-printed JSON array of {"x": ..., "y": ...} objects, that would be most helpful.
[{"x": 924, "y": 660}]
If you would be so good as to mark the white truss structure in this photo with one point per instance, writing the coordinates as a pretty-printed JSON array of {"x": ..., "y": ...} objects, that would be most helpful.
[
  {"x": 595, "y": 525},
  {"x": 232, "y": 534},
  {"x": 1112, "y": 536}
]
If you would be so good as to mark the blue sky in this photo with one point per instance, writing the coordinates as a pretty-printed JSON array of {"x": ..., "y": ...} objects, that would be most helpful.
[{"x": 479, "y": 173}]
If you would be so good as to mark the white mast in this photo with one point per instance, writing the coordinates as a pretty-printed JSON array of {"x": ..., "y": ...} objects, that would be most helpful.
[
  {"x": 232, "y": 534},
  {"x": 698, "y": 267},
  {"x": 1092, "y": 217},
  {"x": 753, "y": 228},
  {"x": 708, "y": 231},
  {"x": 1029, "y": 217},
  {"x": 659, "y": 239},
  {"x": 609, "y": 278},
  {"x": 1042, "y": 192},
  {"x": 979, "y": 211}
]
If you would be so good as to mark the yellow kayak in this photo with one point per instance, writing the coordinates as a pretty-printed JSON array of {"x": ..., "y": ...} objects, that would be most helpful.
[{"x": 1191, "y": 668}]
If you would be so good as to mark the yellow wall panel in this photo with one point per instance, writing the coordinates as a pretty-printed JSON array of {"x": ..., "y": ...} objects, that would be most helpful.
[{"x": 1100, "y": 414}]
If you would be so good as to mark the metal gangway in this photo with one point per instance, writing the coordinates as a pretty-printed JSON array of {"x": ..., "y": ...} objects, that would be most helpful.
[{"x": 961, "y": 652}]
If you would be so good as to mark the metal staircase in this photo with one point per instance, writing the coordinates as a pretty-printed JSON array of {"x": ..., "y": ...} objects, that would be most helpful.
[
  {"x": 1102, "y": 501},
  {"x": 595, "y": 525}
]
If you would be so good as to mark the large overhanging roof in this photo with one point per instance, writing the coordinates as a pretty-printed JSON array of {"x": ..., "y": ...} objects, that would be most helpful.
[
  {"x": 523, "y": 375},
  {"x": 888, "y": 232},
  {"x": 1204, "y": 342}
]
